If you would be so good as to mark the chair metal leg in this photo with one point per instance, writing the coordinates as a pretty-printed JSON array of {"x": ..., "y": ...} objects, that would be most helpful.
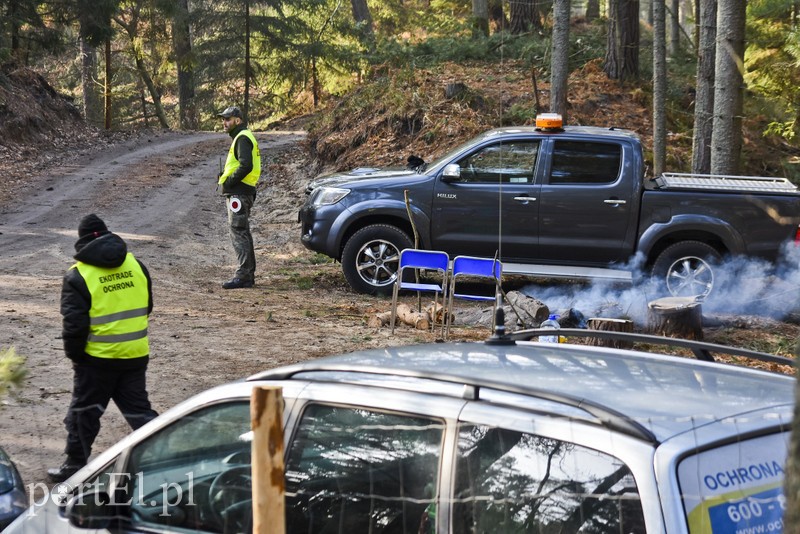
[{"x": 394, "y": 305}]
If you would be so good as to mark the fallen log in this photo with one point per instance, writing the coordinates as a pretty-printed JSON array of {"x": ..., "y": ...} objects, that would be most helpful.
[{"x": 379, "y": 320}]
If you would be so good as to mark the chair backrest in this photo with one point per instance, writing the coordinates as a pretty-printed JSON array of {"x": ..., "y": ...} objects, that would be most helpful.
[
  {"x": 424, "y": 259},
  {"x": 469, "y": 265}
]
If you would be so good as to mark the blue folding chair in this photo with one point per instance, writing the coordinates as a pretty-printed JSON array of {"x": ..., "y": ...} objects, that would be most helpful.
[
  {"x": 430, "y": 260},
  {"x": 474, "y": 268}
]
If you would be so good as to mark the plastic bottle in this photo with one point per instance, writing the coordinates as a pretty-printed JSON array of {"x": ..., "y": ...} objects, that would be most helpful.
[{"x": 551, "y": 322}]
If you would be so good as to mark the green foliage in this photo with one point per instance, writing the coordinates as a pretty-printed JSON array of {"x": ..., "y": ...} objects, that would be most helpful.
[
  {"x": 772, "y": 61},
  {"x": 12, "y": 371}
]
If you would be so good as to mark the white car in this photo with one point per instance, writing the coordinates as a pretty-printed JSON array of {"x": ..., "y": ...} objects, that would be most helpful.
[{"x": 504, "y": 436}]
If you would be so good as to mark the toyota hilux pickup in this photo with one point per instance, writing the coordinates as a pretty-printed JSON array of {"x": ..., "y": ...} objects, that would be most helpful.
[{"x": 552, "y": 202}]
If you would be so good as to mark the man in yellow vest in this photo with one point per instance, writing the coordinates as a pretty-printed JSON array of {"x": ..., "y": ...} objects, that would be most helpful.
[
  {"x": 106, "y": 298},
  {"x": 238, "y": 180}
]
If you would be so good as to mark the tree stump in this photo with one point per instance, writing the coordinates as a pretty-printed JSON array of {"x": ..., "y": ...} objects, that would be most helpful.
[
  {"x": 455, "y": 90},
  {"x": 605, "y": 324},
  {"x": 675, "y": 317}
]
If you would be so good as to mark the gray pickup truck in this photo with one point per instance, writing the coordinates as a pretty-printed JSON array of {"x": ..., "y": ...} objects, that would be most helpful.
[{"x": 555, "y": 203}]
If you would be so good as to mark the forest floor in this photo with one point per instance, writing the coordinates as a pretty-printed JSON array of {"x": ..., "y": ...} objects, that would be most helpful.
[{"x": 156, "y": 190}]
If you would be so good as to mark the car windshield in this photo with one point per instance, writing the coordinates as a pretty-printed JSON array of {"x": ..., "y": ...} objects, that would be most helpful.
[
  {"x": 440, "y": 161},
  {"x": 737, "y": 487}
]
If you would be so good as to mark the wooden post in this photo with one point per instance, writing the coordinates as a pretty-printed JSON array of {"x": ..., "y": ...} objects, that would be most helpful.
[{"x": 269, "y": 483}]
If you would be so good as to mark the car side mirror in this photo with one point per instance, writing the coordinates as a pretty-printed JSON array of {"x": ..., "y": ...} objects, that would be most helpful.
[
  {"x": 91, "y": 510},
  {"x": 451, "y": 172}
]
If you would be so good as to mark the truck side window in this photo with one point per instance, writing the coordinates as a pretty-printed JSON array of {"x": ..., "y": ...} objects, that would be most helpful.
[
  {"x": 509, "y": 481},
  {"x": 511, "y": 162},
  {"x": 582, "y": 162},
  {"x": 357, "y": 470}
]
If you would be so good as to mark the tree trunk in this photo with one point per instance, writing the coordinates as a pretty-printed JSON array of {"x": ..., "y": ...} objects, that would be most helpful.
[
  {"x": 592, "y": 10},
  {"x": 611, "y": 64},
  {"x": 726, "y": 138},
  {"x": 675, "y": 317},
  {"x": 704, "y": 96},
  {"x": 480, "y": 18},
  {"x": 659, "y": 89},
  {"x": 92, "y": 107},
  {"x": 523, "y": 16},
  {"x": 674, "y": 27},
  {"x": 181, "y": 39},
  {"x": 152, "y": 89},
  {"x": 604, "y": 324},
  {"x": 107, "y": 87},
  {"x": 363, "y": 19},
  {"x": 629, "y": 38},
  {"x": 559, "y": 63}
]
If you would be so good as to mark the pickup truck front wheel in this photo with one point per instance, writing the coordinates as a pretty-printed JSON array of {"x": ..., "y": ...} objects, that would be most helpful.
[
  {"x": 688, "y": 268},
  {"x": 371, "y": 257}
]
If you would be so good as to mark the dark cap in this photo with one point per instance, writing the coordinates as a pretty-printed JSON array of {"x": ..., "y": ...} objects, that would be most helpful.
[
  {"x": 229, "y": 112},
  {"x": 90, "y": 228}
]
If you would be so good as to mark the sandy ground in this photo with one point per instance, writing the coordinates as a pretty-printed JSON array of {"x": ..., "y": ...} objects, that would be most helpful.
[{"x": 158, "y": 193}]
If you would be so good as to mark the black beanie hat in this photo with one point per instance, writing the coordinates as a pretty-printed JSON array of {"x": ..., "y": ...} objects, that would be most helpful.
[{"x": 90, "y": 228}]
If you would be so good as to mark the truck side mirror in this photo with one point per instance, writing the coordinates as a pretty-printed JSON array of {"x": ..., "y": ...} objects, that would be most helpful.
[{"x": 451, "y": 172}]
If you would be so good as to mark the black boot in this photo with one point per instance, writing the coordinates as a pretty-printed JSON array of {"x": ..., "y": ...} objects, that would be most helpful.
[{"x": 67, "y": 469}]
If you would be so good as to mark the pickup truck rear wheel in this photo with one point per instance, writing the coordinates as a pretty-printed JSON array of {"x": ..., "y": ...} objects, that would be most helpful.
[
  {"x": 688, "y": 268},
  {"x": 371, "y": 257}
]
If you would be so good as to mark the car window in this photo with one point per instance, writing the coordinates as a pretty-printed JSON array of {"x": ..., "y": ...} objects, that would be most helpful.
[
  {"x": 195, "y": 474},
  {"x": 508, "y": 481},
  {"x": 509, "y": 162},
  {"x": 582, "y": 162},
  {"x": 737, "y": 487},
  {"x": 357, "y": 470}
]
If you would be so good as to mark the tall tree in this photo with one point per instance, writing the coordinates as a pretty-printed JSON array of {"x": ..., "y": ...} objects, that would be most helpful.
[
  {"x": 480, "y": 18},
  {"x": 363, "y": 19},
  {"x": 524, "y": 15},
  {"x": 622, "y": 49},
  {"x": 659, "y": 88},
  {"x": 559, "y": 62},
  {"x": 184, "y": 62},
  {"x": 704, "y": 94},
  {"x": 726, "y": 137},
  {"x": 130, "y": 20},
  {"x": 94, "y": 23},
  {"x": 674, "y": 27},
  {"x": 592, "y": 10}
]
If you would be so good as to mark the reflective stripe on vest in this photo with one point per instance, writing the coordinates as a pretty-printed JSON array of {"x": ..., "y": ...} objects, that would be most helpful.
[
  {"x": 118, "y": 313},
  {"x": 231, "y": 164}
]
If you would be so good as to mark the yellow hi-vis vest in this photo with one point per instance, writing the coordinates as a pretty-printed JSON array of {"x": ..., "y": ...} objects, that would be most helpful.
[
  {"x": 118, "y": 314},
  {"x": 231, "y": 164}
]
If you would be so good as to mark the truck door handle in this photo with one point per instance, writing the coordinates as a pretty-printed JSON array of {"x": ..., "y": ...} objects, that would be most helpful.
[
  {"x": 615, "y": 201},
  {"x": 524, "y": 199}
]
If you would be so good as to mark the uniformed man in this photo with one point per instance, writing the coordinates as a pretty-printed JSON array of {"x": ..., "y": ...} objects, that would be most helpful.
[
  {"x": 238, "y": 180},
  {"x": 106, "y": 298}
]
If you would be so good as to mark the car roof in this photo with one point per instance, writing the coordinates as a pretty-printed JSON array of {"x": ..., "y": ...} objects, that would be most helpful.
[
  {"x": 568, "y": 131},
  {"x": 651, "y": 396}
]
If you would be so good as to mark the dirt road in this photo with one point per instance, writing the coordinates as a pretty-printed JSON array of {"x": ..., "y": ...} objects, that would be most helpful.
[{"x": 158, "y": 193}]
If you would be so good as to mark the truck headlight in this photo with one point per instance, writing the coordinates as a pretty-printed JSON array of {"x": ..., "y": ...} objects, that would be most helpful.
[{"x": 325, "y": 196}]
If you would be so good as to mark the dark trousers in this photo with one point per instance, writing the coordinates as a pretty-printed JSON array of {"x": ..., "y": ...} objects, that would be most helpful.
[
  {"x": 242, "y": 239},
  {"x": 92, "y": 388}
]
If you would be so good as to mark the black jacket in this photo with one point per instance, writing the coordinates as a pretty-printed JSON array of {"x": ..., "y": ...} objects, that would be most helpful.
[
  {"x": 108, "y": 250},
  {"x": 244, "y": 155}
]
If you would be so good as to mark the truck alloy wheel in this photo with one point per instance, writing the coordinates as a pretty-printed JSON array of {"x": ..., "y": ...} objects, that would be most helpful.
[
  {"x": 688, "y": 269},
  {"x": 371, "y": 257}
]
